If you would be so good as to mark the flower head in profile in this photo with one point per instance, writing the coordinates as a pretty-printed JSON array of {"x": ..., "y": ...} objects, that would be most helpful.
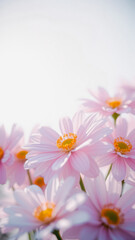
[
  {"x": 108, "y": 105},
  {"x": 69, "y": 153},
  {"x": 122, "y": 150},
  {"x": 7, "y": 145},
  {"x": 46, "y": 211},
  {"x": 111, "y": 216}
]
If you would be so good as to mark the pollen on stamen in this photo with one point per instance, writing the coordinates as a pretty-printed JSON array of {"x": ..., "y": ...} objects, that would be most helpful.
[
  {"x": 111, "y": 216},
  {"x": 39, "y": 181},
  {"x": 1, "y": 153},
  {"x": 21, "y": 155},
  {"x": 122, "y": 145},
  {"x": 67, "y": 142},
  {"x": 44, "y": 212},
  {"x": 114, "y": 102}
]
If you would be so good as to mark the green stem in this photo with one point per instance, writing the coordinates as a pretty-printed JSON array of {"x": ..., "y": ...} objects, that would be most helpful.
[
  {"x": 123, "y": 183},
  {"x": 29, "y": 177},
  {"x": 108, "y": 172},
  {"x": 115, "y": 116},
  {"x": 57, "y": 234},
  {"x": 29, "y": 236},
  {"x": 82, "y": 184}
]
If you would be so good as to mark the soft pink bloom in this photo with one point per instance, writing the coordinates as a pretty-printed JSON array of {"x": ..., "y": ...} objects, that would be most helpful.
[
  {"x": 71, "y": 152},
  {"x": 17, "y": 175},
  {"x": 122, "y": 150},
  {"x": 7, "y": 145},
  {"x": 45, "y": 211},
  {"x": 107, "y": 105},
  {"x": 111, "y": 217}
]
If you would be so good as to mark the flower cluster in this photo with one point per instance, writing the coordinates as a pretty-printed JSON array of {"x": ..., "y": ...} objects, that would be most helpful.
[{"x": 77, "y": 184}]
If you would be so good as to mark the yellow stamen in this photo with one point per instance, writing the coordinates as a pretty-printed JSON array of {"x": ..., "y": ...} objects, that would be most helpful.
[
  {"x": 67, "y": 142},
  {"x": 44, "y": 213},
  {"x": 1, "y": 153},
  {"x": 114, "y": 102},
  {"x": 112, "y": 215},
  {"x": 40, "y": 182},
  {"x": 21, "y": 155},
  {"x": 122, "y": 145}
]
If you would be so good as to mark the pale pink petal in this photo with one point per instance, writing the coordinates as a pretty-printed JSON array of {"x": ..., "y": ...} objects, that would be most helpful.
[
  {"x": 2, "y": 137},
  {"x": 51, "y": 189},
  {"x": 77, "y": 121},
  {"x": 61, "y": 194},
  {"x": 73, "y": 219},
  {"x": 42, "y": 147},
  {"x": 61, "y": 161},
  {"x": 15, "y": 136},
  {"x": 121, "y": 128},
  {"x": 2, "y": 174},
  {"x": 131, "y": 163},
  {"x": 129, "y": 226},
  {"x": 89, "y": 232},
  {"x": 119, "y": 234},
  {"x": 119, "y": 169},
  {"x": 66, "y": 125},
  {"x": 49, "y": 135},
  {"x": 127, "y": 200},
  {"x": 80, "y": 161},
  {"x": 114, "y": 189},
  {"x": 131, "y": 136},
  {"x": 106, "y": 159},
  {"x": 103, "y": 233}
]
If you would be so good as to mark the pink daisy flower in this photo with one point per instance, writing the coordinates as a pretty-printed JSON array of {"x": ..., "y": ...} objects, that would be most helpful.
[
  {"x": 46, "y": 211},
  {"x": 122, "y": 150},
  {"x": 71, "y": 152},
  {"x": 17, "y": 175},
  {"x": 7, "y": 145},
  {"x": 111, "y": 216},
  {"x": 108, "y": 105}
]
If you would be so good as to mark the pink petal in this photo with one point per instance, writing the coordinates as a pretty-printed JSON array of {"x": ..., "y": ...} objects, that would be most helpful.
[
  {"x": 49, "y": 135},
  {"x": 77, "y": 120},
  {"x": 89, "y": 231},
  {"x": 121, "y": 128},
  {"x": 119, "y": 234},
  {"x": 131, "y": 163},
  {"x": 103, "y": 233},
  {"x": 127, "y": 200},
  {"x": 80, "y": 161},
  {"x": 2, "y": 174},
  {"x": 61, "y": 161},
  {"x": 66, "y": 125},
  {"x": 119, "y": 169}
]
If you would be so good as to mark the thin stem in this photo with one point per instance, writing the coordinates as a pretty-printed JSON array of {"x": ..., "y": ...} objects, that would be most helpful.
[
  {"x": 115, "y": 116},
  {"x": 82, "y": 184},
  {"x": 29, "y": 177},
  {"x": 123, "y": 183},
  {"x": 108, "y": 172},
  {"x": 57, "y": 234},
  {"x": 29, "y": 236}
]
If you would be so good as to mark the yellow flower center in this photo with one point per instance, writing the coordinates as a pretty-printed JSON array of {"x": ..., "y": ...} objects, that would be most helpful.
[
  {"x": 122, "y": 145},
  {"x": 67, "y": 142},
  {"x": 1, "y": 153},
  {"x": 44, "y": 213},
  {"x": 114, "y": 102},
  {"x": 111, "y": 215},
  {"x": 40, "y": 182},
  {"x": 21, "y": 155}
]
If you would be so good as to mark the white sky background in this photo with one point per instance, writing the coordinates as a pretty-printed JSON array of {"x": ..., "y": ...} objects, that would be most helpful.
[{"x": 51, "y": 52}]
